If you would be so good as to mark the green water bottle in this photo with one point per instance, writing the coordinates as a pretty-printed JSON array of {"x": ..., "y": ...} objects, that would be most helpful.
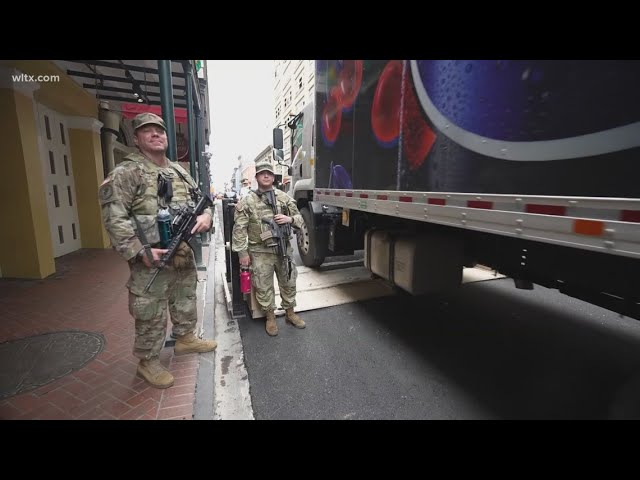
[{"x": 164, "y": 227}]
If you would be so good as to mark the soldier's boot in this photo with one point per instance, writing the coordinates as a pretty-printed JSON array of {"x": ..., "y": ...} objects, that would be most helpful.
[
  {"x": 189, "y": 343},
  {"x": 271, "y": 326},
  {"x": 154, "y": 373},
  {"x": 294, "y": 319}
]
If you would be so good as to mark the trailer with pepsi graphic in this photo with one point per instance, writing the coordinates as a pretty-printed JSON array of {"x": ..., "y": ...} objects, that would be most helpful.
[{"x": 530, "y": 167}]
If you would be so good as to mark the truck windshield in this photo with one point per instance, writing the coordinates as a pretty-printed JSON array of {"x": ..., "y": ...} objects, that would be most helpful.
[{"x": 296, "y": 135}]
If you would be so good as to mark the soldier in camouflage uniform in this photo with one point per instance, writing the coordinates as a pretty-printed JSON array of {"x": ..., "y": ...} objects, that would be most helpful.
[
  {"x": 130, "y": 201},
  {"x": 264, "y": 260}
]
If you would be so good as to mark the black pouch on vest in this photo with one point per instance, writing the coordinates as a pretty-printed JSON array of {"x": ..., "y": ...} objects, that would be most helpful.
[{"x": 165, "y": 189}]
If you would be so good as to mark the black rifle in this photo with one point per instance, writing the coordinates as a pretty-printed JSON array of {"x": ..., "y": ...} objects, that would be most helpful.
[
  {"x": 182, "y": 225},
  {"x": 279, "y": 233}
]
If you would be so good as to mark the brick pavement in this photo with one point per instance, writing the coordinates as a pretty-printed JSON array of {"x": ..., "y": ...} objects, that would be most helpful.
[{"x": 87, "y": 293}]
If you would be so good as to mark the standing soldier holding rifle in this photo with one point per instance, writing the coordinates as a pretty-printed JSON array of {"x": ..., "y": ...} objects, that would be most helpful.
[
  {"x": 261, "y": 236},
  {"x": 150, "y": 208}
]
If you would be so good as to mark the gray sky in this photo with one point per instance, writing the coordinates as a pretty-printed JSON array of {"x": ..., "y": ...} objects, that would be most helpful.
[{"x": 241, "y": 112}]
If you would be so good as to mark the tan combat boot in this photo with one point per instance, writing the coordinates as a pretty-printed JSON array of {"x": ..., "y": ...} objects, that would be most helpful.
[
  {"x": 271, "y": 325},
  {"x": 189, "y": 343},
  {"x": 154, "y": 373},
  {"x": 294, "y": 319}
]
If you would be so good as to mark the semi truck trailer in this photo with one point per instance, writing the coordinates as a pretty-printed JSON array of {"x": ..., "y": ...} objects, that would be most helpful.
[{"x": 527, "y": 167}]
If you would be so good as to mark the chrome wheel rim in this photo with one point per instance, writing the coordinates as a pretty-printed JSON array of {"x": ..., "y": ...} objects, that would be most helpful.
[{"x": 303, "y": 239}]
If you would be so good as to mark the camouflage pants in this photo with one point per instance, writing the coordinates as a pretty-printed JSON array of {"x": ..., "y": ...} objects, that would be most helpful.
[
  {"x": 263, "y": 265},
  {"x": 173, "y": 289}
]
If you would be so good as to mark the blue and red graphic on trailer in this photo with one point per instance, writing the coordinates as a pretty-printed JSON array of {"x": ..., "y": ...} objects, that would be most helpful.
[{"x": 527, "y": 127}]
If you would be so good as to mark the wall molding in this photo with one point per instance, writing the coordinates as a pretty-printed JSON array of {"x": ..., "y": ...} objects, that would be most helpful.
[{"x": 84, "y": 123}]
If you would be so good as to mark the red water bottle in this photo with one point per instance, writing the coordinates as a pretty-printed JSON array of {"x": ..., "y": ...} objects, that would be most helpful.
[{"x": 245, "y": 280}]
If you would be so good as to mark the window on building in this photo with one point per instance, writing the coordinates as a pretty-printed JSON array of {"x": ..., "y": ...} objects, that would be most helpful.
[{"x": 46, "y": 126}]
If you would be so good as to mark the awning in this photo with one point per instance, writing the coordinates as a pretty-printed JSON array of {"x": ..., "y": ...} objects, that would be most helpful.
[
  {"x": 130, "y": 110},
  {"x": 127, "y": 80}
]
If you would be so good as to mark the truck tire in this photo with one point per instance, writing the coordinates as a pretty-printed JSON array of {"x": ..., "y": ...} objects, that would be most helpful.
[{"x": 312, "y": 241}]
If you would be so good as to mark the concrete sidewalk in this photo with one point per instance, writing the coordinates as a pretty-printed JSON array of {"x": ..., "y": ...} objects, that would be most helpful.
[{"x": 230, "y": 393}]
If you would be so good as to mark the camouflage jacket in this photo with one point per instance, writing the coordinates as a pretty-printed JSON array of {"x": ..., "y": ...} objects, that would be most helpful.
[
  {"x": 132, "y": 189},
  {"x": 248, "y": 226}
]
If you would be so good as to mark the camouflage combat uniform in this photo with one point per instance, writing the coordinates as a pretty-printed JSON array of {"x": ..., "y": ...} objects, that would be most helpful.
[
  {"x": 132, "y": 188},
  {"x": 250, "y": 210}
]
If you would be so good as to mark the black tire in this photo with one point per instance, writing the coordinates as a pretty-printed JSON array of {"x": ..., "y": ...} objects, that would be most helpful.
[{"x": 312, "y": 241}]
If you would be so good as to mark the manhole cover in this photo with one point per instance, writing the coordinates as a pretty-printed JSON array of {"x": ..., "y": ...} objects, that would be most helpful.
[{"x": 31, "y": 362}]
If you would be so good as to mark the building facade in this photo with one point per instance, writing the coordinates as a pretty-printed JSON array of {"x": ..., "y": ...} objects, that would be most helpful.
[
  {"x": 247, "y": 169},
  {"x": 67, "y": 124},
  {"x": 293, "y": 88}
]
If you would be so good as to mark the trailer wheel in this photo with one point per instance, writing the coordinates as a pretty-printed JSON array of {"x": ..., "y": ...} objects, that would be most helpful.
[{"x": 312, "y": 241}]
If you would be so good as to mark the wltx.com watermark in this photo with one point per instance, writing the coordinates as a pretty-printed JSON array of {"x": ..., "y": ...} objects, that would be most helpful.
[{"x": 24, "y": 77}]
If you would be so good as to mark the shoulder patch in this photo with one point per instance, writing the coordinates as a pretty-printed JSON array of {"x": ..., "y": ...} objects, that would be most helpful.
[
  {"x": 106, "y": 192},
  {"x": 240, "y": 207}
]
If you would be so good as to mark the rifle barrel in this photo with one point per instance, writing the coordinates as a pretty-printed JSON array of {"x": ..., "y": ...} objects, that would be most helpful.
[{"x": 155, "y": 274}]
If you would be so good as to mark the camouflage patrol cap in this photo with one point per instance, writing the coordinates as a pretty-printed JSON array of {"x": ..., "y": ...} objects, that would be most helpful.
[
  {"x": 264, "y": 165},
  {"x": 146, "y": 119}
]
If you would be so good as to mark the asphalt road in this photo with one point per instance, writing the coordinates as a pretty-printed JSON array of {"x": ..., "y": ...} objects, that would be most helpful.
[{"x": 486, "y": 351}]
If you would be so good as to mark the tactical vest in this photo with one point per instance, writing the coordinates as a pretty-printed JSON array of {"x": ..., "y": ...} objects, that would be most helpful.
[
  {"x": 146, "y": 203},
  {"x": 259, "y": 209}
]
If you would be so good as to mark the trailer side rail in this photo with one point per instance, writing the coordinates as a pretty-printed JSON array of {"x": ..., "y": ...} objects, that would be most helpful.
[{"x": 610, "y": 225}]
